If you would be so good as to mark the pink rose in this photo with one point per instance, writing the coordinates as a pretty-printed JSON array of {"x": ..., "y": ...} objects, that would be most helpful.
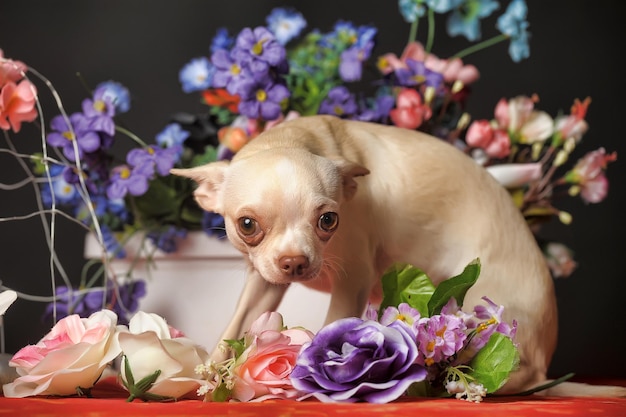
[
  {"x": 73, "y": 355},
  {"x": 263, "y": 369}
]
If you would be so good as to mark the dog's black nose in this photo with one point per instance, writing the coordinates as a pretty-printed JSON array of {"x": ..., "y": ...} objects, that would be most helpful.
[{"x": 294, "y": 266}]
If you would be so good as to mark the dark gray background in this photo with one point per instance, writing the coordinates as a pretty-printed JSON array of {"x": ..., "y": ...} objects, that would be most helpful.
[{"x": 575, "y": 50}]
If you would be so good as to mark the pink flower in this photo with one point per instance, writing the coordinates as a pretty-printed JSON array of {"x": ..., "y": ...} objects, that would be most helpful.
[
  {"x": 17, "y": 104},
  {"x": 573, "y": 125},
  {"x": 263, "y": 369},
  {"x": 495, "y": 142},
  {"x": 410, "y": 112},
  {"x": 589, "y": 174},
  {"x": 518, "y": 117},
  {"x": 10, "y": 70},
  {"x": 560, "y": 260},
  {"x": 73, "y": 355}
]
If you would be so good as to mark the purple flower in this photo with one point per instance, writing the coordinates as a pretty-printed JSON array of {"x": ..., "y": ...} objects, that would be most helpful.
[
  {"x": 125, "y": 181},
  {"x": 285, "y": 24},
  {"x": 228, "y": 72},
  {"x": 340, "y": 102},
  {"x": 378, "y": 110},
  {"x": 354, "y": 360},
  {"x": 351, "y": 64},
  {"x": 258, "y": 45},
  {"x": 167, "y": 240},
  {"x": 261, "y": 97},
  {"x": 439, "y": 338},
  {"x": 147, "y": 160},
  {"x": 100, "y": 111},
  {"x": 418, "y": 74},
  {"x": 404, "y": 313},
  {"x": 79, "y": 131},
  {"x": 213, "y": 224}
]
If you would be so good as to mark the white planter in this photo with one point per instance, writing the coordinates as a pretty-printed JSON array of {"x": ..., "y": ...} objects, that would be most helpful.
[{"x": 196, "y": 288}]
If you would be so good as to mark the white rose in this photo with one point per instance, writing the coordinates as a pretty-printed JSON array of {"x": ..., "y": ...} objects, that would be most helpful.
[{"x": 149, "y": 347}]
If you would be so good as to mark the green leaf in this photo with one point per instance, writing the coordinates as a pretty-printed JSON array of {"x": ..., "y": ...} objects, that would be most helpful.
[
  {"x": 494, "y": 362},
  {"x": 140, "y": 389},
  {"x": 454, "y": 287},
  {"x": 237, "y": 345},
  {"x": 403, "y": 283},
  {"x": 221, "y": 393}
]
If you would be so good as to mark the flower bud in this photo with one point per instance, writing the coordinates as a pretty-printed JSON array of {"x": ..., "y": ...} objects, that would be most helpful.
[
  {"x": 561, "y": 158},
  {"x": 569, "y": 144},
  {"x": 457, "y": 86},
  {"x": 574, "y": 190},
  {"x": 565, "y": 217}
]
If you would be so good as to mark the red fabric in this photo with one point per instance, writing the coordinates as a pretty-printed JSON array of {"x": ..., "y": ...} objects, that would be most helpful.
[{"x": 109, "y": 400}]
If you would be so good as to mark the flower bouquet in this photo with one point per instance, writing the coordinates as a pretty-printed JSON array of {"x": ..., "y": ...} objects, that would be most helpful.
[{"x": 251, "y": 82}]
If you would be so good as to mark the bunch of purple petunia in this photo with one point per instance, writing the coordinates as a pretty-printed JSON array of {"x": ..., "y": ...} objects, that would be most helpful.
[{"x": 377, "y": 359}]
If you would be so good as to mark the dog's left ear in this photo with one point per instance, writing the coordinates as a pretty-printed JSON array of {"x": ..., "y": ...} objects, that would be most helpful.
[
  {"x": 209, "y": 178},
  {"x": 350, "y": 170}
]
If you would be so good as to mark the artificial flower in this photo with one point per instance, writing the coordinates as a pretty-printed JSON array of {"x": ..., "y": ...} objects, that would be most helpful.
[
  {"x": 340, "y": 102},
  {"x": 125, "y": 180},
  {"x": 588, "y": 174},
  {"x": 10, "y": 70},
  {"x": 17, "y": 104},
  {"x": 74, "y": 138},
  {"x": 149, "y": 347},
  {"x": 67, "y": 360},
  {"x": 262, "y": 371},
  {"x": 560, "y": 259},
  {"x": 7, "y": 298},
  {"x": 465, "y": 19},
  {"x": 513, "y": 24},
  {"x": 285, "y": 24},
  {"x": 354, "y": 360},
  {"x": 197, "y": 75},
  {"x": 516, "y": 175},
  {"x": 116, "y": 94},
  {"x": 410, "y": 112}
]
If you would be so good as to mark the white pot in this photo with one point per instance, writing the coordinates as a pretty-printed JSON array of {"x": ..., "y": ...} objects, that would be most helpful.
[{"x": 196, "y": 288}]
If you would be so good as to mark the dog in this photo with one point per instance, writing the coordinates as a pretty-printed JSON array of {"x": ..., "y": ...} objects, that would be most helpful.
[{"x": 332, "y": 203}]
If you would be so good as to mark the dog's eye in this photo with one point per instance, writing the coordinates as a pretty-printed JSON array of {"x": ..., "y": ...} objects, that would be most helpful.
[
  {"x": 249, "y": 230},
  {"x": 328, "y": 222}
]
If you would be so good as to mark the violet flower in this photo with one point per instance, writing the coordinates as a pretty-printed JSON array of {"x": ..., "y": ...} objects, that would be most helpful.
[
  {"x": 116, "y": 94},
  {"x": 151, "y": 159},
  {"x": 166, "y": 239},
  {"x": 261, "y": 97},
  {"x": 354, "y": 360},
  {"x": 100, "y": 111},
  {"x": 258, "y": 44},
  {"x": 439, "y": 337},
  {"x": 340, "y": 102},
  {"x": 416, "y": 74},
  {"x": 64, "y": 135},
  {"x": 126, "y": 181}
]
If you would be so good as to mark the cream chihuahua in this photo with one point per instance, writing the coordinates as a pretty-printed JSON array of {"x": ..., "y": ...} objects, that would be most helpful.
[{"x": 331, "y": 204}]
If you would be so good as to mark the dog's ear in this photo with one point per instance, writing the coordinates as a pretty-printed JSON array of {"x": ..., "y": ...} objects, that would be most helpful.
[
  {"x": 350, "y": 170},
  {"x": 209, "y": 178}
]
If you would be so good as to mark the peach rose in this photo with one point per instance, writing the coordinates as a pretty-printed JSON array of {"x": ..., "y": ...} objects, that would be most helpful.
[
  {"x": 151, "y": 345},
  {"x": 72, "y": 356},
  {"x": 263, "y": 369}
]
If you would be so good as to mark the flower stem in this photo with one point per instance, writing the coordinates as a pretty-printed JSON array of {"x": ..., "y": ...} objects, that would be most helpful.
[
  {"x": 482, "y": 45},
  {"x": 413, "y": 31},
  {"x": 431, "y": 30},
  {"x": 132, "y": 136}
]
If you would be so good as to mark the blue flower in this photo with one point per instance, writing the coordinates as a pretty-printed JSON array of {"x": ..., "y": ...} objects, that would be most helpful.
[
  {"x": 285, "y": 24},
  {"x": 221, "y": 40},
  {"x": 115, "y": 93},
  {"x": 173, "y": 136},
  {"x": 513, "y": 24},
  {"x": 465, "y": 19},
  {"x": 411, "y": 10},
  {"x": 444, "y": 6},
  {"x": 340, "y": 102},
  {"x": 197, "y": 75}
]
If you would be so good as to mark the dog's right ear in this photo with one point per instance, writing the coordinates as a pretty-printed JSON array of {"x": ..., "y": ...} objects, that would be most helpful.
[{"x": 209, "y": 178}]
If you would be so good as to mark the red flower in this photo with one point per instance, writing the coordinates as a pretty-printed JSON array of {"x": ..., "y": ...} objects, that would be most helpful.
[
  {"x": 410, "y": 112},
  {"x": 221, "y": 98}
]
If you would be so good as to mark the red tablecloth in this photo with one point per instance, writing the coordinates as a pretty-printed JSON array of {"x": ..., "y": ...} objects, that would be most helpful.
[{"x": 109, "y": 400}]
